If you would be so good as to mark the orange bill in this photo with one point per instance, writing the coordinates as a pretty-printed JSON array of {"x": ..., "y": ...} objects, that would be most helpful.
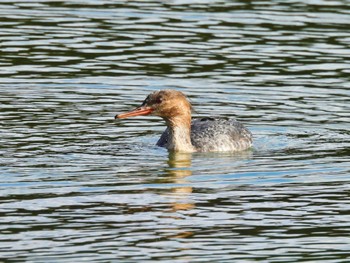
[{"x": 137, "y": 112}]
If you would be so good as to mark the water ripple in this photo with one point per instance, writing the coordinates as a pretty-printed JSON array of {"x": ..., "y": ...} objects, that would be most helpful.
[{"x": 75, "y": 184}]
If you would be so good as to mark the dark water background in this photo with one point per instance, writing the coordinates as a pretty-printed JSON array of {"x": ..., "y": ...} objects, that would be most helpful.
[{"x": 75, "y": 185}]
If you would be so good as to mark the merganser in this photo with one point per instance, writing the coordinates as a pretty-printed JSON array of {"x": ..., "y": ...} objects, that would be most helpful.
[{"x": 182, "y": 134}]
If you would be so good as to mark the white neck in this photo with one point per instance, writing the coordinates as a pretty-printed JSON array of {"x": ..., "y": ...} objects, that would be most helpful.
[{"x": 180, "y": 139}]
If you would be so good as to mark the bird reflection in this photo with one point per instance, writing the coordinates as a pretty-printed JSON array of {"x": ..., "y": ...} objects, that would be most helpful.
[
  {"x": 179, "y": 170},
  {"x": 182, "y": 198}
]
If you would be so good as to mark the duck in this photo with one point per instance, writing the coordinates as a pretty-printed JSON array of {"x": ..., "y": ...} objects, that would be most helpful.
[{"x": 183, "y": 134}]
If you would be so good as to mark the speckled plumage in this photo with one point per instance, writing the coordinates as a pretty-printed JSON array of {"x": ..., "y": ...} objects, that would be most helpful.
[{"x": 210, "y": 135}]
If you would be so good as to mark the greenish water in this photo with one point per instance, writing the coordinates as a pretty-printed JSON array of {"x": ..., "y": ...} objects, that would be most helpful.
[{"x": 77, "y": 185}]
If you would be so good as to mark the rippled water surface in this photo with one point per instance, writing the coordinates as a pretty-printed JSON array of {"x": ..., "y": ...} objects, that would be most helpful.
[{"x": 76, "y": 185}]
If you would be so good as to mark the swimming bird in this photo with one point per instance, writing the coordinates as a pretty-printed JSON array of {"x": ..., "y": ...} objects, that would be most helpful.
[{"x": 186, "y": 135}]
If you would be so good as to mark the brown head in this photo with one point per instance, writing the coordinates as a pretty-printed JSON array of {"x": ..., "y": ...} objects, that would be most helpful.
[{"x": 168, "y": 104}]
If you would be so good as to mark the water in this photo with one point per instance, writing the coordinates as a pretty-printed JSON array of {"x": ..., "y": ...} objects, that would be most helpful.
[{"x": 77, "y": 185}]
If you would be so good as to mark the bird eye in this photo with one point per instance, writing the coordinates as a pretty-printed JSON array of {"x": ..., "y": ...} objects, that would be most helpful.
[{"x": 159, "y": 100}]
